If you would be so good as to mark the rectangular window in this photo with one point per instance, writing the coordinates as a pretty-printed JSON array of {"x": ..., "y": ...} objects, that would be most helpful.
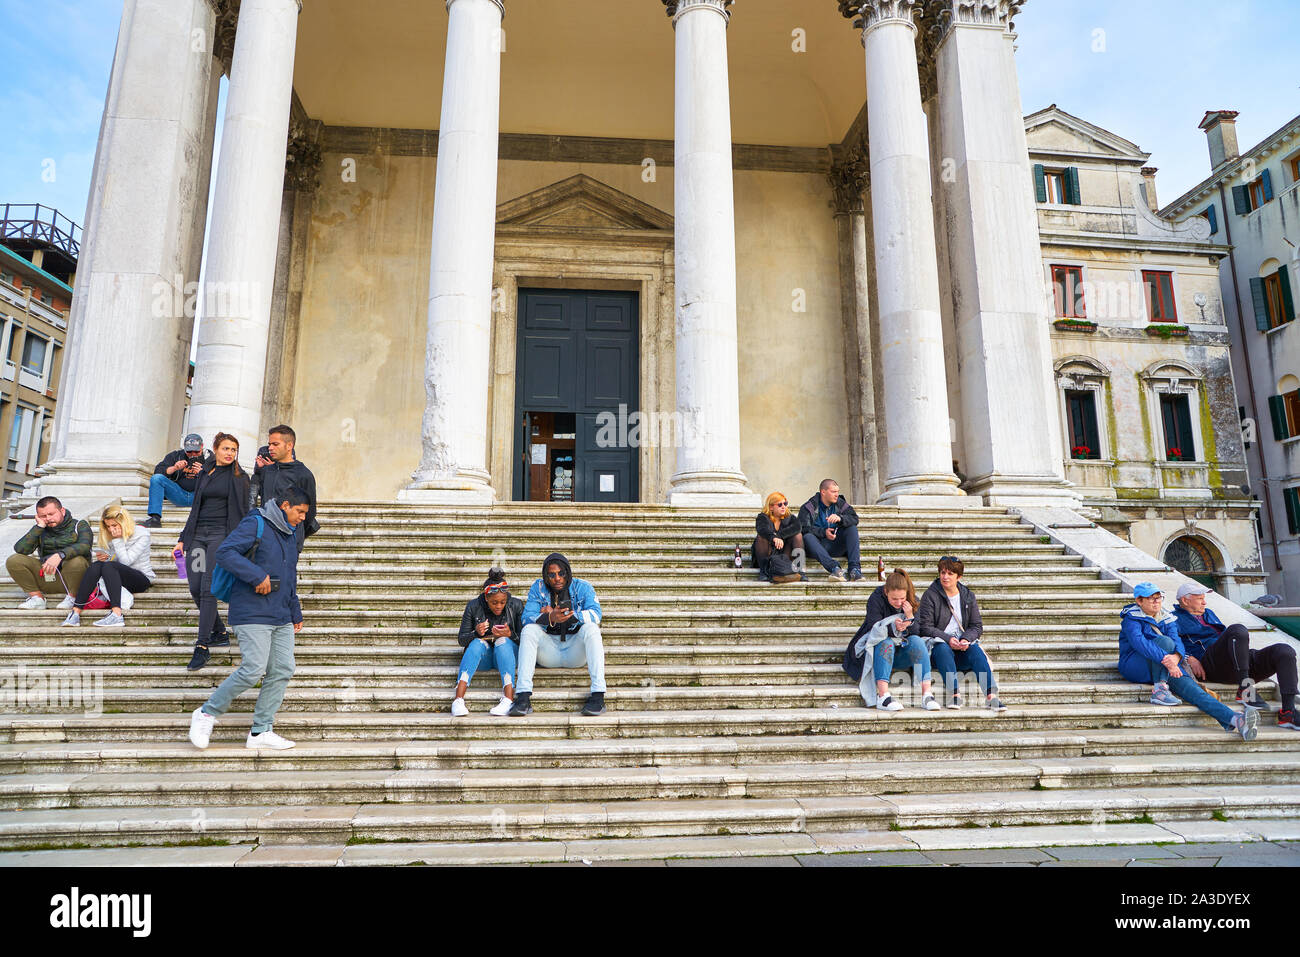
[
  {"x": 1176, "y": 415},
  {"x": 1291, "y": 404},
  {"x": 1291, "y": 498},
  {"x": 1257, "y": 194},
  {"x": 1212, "y": 218},
  {"x": 22, "y": 422},
  {"x": 1055, "y": 186},
  {"x": 34, "y": 347},
  {"x": 1160, "y": 296},
  {"x": 1273, "y": 300},
  {"x": 1081, "y": 411},
  {"x": 1068, "y": 282},
  {"x": 1294, "y": 163}
]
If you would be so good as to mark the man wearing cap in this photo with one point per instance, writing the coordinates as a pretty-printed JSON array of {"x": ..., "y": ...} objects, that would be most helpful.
[
  {"x": 1216, "y": 652},
  {"x": 1150, "y": 650},
  {"x": 175, "y": 477}
]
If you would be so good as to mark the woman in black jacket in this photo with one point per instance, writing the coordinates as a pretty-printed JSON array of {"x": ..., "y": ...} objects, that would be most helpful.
[
  {"x": 778, "y": 533},
  {"x": 489, "y": 633},
  {"x": 220, "y": 502},
  {"x": 950, "y": 622},
  {"x": 887, "y": 641}
]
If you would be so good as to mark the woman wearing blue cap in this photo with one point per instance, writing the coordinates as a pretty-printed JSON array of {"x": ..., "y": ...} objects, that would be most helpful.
[{"x": 1150, "y": 649}]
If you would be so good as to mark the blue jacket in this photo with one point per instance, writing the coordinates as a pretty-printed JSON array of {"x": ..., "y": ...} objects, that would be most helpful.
[
  {"x": 586, "y": 609},
  {"x": 1197, "y": 637},
  {"x": 277, "y": 555},
  {"x": 1137, "y": 652}
]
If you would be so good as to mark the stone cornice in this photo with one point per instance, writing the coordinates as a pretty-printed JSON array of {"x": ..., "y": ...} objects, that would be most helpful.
[{"x": 676, "y": 8}]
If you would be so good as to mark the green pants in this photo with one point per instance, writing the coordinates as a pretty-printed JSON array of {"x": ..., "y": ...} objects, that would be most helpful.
[{"x": 26, "y": 573}]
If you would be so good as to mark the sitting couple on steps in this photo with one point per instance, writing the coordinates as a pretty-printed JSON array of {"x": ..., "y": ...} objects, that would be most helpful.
[
  {"x": 826, "y": 526},
  {"x": 939, "y": 633},
  {"x": 557, "y": 627}
]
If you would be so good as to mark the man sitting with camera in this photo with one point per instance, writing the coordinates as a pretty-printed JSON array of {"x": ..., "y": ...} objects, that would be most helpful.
[{"x": 562, "y": 630}]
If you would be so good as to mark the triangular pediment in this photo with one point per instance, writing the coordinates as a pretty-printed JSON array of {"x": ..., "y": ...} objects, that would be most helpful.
[
  {"x": 581, "y": 202},
  {"x": 1054, "y": 130}
]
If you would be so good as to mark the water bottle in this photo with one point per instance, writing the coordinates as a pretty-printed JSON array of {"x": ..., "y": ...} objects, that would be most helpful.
[
  {"x": 180, "y": 566},
  {"x": 736, "y": 561}
]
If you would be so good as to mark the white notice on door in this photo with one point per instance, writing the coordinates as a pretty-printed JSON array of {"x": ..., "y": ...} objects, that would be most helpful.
[
  {"x": 606, "y": 482},
  {"x": 539, "y": 453}
]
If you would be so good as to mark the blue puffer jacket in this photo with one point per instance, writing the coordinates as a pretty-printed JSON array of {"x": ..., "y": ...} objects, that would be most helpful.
[
  {"x": 1197, "y": 637},
  {"x": 1137, "y": 651},
  {"x": 277, "y": 555}
]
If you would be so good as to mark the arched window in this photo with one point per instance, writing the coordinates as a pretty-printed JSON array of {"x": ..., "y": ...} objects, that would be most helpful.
[{"x": 1194, "y": 558}]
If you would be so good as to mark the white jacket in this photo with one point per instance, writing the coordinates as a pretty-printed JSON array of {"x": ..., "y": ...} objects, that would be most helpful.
[{"x": 133, "y": 551}]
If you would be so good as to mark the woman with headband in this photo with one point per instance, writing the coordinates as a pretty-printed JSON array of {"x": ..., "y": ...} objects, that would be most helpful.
[{"x": 489, "y": 633}]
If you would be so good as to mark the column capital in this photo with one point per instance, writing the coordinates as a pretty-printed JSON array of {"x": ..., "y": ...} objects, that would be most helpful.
[
  {"x": 302, "y": 159},
  {"x": 867, "y": 14},
  {"x": 850, "y": 178},
  {"x": 676, "y": 8},
  {"x": 947, "y": 14},
  {"x": 501, "y": 5}
]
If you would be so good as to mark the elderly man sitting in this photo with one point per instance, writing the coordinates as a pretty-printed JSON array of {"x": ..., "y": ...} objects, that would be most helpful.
[
  {"x": 1150, "y": 650},
  {"x": 1216, "y": 652}
]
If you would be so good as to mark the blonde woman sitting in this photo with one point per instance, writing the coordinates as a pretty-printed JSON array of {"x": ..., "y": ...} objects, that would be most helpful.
[
  {"x": 779, "y": 537},
  {"x": 121, "y": 561}
]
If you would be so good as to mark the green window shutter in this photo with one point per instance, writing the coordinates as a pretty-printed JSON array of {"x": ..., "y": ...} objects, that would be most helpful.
[
  {"x": 1288, "y": 304},
  {"x": 1291, "y": 497},
  {"x": 1072, "y": 195},
  {"x": 1267, "y": 177},
  {"x": 1213, "y": 216},
  {"x": 1261, "y": 304},
  {"x": 1277, "y": 410},
  {"x": 1040, "y": 183},
  {"x": 1241, "y": 200}
]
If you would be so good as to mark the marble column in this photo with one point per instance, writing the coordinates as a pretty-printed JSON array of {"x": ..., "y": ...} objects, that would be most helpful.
[
  {"x": 849, "y": 178},
  {"x": 704, "y": 262},
  {"x": 230, "y": 364},
  {"x": 1009, "y": 409},
  {"x": 129, "y": 332},
  {"x": 453, "y": 463},
  {"x": 919, "y": 466}
]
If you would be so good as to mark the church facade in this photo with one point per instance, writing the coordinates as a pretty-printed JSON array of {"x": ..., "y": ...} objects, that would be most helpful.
[{"x": 689, "y": 251}]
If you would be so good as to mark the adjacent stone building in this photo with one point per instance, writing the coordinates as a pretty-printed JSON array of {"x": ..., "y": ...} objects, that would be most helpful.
[
  {"x": 38, "y": 264},
  {"x": 1251, "y": 204}
]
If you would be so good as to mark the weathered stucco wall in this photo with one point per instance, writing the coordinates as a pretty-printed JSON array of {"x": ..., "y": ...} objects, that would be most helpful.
[{"x": 359, "y": 393}]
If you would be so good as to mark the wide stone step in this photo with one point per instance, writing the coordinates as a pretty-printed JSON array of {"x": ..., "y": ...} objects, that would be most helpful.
[
  {"x": 174, "y": 757},
  {"x": 439, "y": 786},
  {"x": 335, "y": 724},
  {"x": 554, "y": 690}
]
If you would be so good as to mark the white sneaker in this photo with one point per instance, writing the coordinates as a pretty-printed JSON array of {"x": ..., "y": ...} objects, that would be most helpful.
[
  {"x": 887, "y": 703},
  {"x": 73, "y": 620},
  {"x": 33, "y": 603},
  {"x": 66, "y": 603},
  {"x": 201, "y": 727},
  {"x": 458, "y": 708},
  {"x": 929, "y": 704},
  {"x": 111, "y": 620},
  {"x": 267, "y": 740},
  {"x": 502, "y": 707}
]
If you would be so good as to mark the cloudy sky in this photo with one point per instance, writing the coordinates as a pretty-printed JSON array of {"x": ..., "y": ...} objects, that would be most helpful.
[{"x": 1145, "y": 69}]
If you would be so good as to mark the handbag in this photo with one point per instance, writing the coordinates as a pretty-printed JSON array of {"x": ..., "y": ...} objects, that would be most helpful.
[{"x": 223, "y": 582}]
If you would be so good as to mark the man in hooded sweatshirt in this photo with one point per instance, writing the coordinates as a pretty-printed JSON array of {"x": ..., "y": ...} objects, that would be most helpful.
[
  {"x": 279, "y": 470},
  {"x": 264, "y": 613},
  {"x": 561, "y": 630}
]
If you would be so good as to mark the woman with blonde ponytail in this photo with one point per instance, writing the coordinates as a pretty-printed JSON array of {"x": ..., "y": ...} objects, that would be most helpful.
[{"x": 888, "y": 640}]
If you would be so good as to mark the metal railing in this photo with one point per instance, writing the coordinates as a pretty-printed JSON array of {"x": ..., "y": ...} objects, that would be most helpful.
[{"x": 43, "y": 224}]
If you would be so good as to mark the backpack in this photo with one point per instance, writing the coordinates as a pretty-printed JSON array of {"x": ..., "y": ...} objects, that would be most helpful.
[{"x": 223, "y": 582}]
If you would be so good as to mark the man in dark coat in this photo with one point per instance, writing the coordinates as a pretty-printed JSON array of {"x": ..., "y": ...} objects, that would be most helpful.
[
  {"x": 279, "y": 470},
  {"x": 830, "y": 528}
]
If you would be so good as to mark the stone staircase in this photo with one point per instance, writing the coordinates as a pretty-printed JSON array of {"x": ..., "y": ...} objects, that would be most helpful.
[{"x": 731, "y": 727}]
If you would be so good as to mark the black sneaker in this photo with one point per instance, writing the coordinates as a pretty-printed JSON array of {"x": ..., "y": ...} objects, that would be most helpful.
[
  {"x": 153, "y": 521},
  {"x": 523, "y": 704},
  {"x": 764, "y": 577},
  {"x": 221, "y": 640},
  {"x": 201, "y": 658},
  {"x": 855, "y": 574},
  {"x": 1251, "y": 699},
  {"x": 595, "y": 704},
  {"x": 1287, "y": 719}
]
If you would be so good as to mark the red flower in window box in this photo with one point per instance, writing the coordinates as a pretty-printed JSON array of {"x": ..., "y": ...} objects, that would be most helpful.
[
  {"x": 1081, "y": 452},
  {"x": 1175, "y": 455}
]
